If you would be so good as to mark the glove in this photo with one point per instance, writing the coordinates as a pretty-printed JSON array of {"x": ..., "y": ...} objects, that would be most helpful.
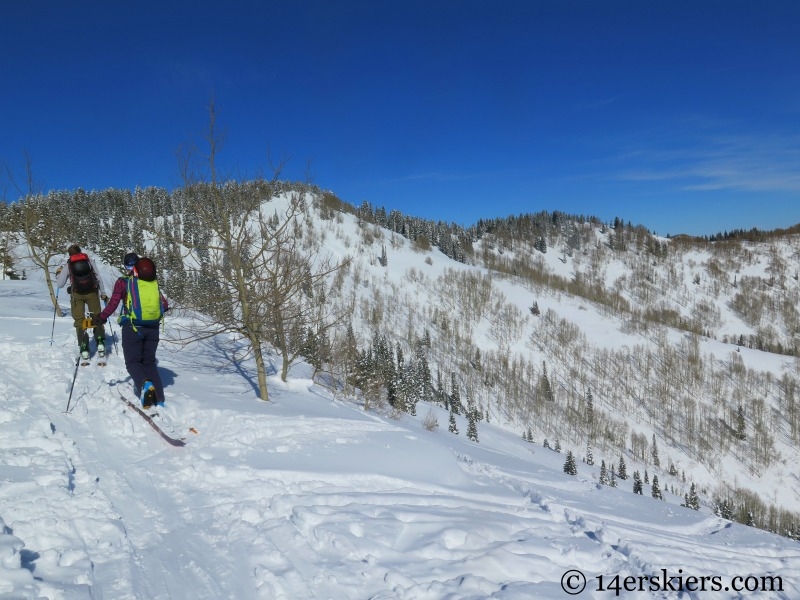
[
  {"x": 69, "y": 289},
  {"x": 104, "y": 298},
  {"x": 97, "y": 321}
]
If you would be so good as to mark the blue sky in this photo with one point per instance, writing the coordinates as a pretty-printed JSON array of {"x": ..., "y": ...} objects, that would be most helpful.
[{"x": 682, "y": 116}]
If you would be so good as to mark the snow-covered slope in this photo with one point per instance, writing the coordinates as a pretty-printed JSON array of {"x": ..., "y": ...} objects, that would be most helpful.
[{"x": 308, "y": 496}]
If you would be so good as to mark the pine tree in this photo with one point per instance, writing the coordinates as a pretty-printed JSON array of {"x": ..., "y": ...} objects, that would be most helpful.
[
  {"x": 557, "y": 447},
  {"x": 472, "y": 424},
  {"x": 441, "y": 396},
  {"x": 589, "y": 455},
  {"x": 383, "y": 259},
  {"x": 723, "y": 509},
  {"x": 546, "y": 444},
  {"x": 603, "y": 473},
  {"x": 622, "y": 471},
  {"x": 589, "y": 410},
  {"x": 637, "y": 483},
  {"x": 656, "y": 461},
  {"x": 655, "y": 490},
  {"x": 612, "y": 481},
  {"x": 691, "y": 500},
  {"x": 570, "y": 468},
  {"x": 455, "y": 397},
  {"x": 740, "y": 423},
  {"x": 453, "y": 428},
  {"x": 544, "y": 385}
]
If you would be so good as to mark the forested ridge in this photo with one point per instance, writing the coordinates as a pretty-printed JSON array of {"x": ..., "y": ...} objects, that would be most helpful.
[{"x": 279, "y": 265}]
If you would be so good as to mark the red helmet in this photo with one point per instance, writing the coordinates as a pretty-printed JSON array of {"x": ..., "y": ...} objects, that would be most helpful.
[{"x": 145, "y": 269}]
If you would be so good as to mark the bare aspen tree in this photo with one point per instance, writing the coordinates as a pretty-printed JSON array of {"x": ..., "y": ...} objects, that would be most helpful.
[
  {"x": 44, "y": 232},
  {"x": 261, "y": 286}
]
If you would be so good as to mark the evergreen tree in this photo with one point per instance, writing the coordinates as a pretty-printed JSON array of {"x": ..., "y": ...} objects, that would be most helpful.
[
  {"x": 546, "y": 444},
  {"x": 589, "y": 411},
  {"x": 622, "y": 471},
  {"x": 637, "y": 483},
  {"x": 545, "y": 389},
  {"x": 654, "y": 449},
  {"x": 589, "y": 455},
  {"x": 383, "y": 259},
  {"x": 740, "y": 423},
  {"x": 455, "y": 397},
  {"x": 655, "y": 490},
  {"x": 612, "y": 480},
  {"x": 472, "y": 424},
  {"x": 570, "y": 468},
  {"x": 646, "y": 477},
  {"x": 723, "y": 509},
  {"x": 441, "y": 396},
  {"x": 603, "y": 473},
  {"x": 424, "y": 380},
  {"x": 557, "y": 447},
  {"x": 453, "y": 428},
  {"x": 691, "y": 500}
]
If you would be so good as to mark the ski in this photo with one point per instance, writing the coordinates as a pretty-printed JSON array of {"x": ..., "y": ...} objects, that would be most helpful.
[{"x": 177, "y": 442}]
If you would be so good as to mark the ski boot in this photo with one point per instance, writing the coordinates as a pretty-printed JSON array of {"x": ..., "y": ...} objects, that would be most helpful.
[{"x": 148, "y": 397}]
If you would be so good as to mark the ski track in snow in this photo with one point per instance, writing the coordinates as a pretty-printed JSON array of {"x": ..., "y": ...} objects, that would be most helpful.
[{"x": 306, "y": 497}]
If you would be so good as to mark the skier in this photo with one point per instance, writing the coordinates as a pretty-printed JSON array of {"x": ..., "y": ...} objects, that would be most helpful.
[
  {"x": 85, "y": 290},
  {"x": 140, "y": 332}
]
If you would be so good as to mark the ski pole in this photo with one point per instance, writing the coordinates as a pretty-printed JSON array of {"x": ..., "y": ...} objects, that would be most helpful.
[
  {"x": 55, "y": 310},
  {"x": 72, "y": 387},
  {"x": 111, "y": 327}
]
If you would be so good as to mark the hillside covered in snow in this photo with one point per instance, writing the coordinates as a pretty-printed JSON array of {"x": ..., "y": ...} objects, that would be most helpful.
[{"x": 310, "y": 496}]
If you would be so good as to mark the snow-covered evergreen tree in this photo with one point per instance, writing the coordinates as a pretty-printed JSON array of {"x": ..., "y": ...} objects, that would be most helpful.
[
  {"x": 637, "y": 483},
  {"x": 655, "y": 490},
  {"x": 691, "y": 500},
  {"x": 453, "y": 428},
  {"x": 654, "y": 453},
  {"x": 589, "y": 455},
  {"x": 741, "y": 425},
  {"x": 455, "y": 397},
  {"x": 570, "y": 468},
  {"x": 622, "y": 470},
  {"x": 472, "y": 424},
  {"x": 603, "y": 473}
]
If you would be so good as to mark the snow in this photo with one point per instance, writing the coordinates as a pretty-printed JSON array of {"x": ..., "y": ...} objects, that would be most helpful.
[{"x": 309, "y": 496}]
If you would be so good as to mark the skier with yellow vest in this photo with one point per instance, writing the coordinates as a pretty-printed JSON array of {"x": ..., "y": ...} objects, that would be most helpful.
[{"x": 143, "y": 306}]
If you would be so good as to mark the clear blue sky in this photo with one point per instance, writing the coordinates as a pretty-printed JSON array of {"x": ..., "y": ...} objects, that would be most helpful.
[{"x": 680, "y": 115}]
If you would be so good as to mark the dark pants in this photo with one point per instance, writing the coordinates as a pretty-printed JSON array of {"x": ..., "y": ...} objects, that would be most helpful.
[{"x": 139, "y": 349}]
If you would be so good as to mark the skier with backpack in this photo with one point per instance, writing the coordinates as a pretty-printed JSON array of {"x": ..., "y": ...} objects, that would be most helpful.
[
  {"x": 143, "y": 307},
  {"x": 85, "y": 290}
]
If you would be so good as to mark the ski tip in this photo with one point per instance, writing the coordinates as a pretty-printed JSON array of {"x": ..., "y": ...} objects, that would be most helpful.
[{"x": 193, "y": 430}]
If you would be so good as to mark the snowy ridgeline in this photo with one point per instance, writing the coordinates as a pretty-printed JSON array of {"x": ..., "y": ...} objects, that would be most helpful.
[{"x": 309, "y": 497}]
